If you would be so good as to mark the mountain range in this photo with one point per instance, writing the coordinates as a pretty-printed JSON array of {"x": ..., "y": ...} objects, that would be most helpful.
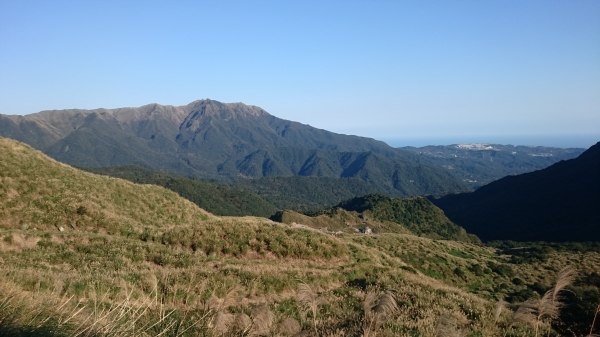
[
  {"x": 558, "y": 203},
  {"x": 210, "y": 139},
  {"x": 77, "y": 248},
  {"x": 230, "y": 142}
]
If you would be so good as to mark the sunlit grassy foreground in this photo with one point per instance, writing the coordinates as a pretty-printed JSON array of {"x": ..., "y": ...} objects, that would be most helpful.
[{"x": 85, "y": 255}]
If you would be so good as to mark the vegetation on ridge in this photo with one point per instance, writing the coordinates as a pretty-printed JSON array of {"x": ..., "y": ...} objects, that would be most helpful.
[{"x": 383, "y": 214}]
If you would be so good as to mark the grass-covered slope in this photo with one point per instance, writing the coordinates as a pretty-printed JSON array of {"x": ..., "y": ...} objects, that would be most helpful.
[
  {"x": 216, "y": 199},
  {"x": 38, "y": 192}
]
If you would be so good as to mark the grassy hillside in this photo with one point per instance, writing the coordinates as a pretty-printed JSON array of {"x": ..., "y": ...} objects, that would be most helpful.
[
  {"x": 142, "y": 261},
  {"x": 219, "y": 200},
  {"x": 37, "y": 192}
]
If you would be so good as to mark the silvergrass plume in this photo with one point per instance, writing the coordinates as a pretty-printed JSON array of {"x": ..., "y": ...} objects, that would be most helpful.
[
  {"x": 377, "y": 307},
  {"x": 540, "y": 312},
  {"x": 500, "y": 305},
  {"x": 309, "y": 300}
]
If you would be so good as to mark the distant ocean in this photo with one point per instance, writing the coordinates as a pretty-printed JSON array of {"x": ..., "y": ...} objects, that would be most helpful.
[{"x": 562, "y": 141}]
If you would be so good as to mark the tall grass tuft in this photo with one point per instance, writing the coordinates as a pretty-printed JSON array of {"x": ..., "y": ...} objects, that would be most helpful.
[
  {"x": 377, "y": 308},
  {"x": 309, "y": 300},
  {"x": 289, "y": 327},
  {"x": 262, "y": 320},
  {"x": 242, "y": 324},
  {"x": 541, "y": 312}
]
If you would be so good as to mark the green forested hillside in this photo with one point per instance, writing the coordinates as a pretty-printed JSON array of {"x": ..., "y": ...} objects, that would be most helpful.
[
  {"x": 366, "y": 174},
  {"x": 416, "y": 214},
  {"x": 219, "y": 200},
  {"x": 305, "y": 193}
]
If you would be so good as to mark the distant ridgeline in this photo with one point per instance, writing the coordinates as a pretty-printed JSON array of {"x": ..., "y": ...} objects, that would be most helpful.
[
  {"x": 415, "y": 215},
  {"x": 559, "y": 203},
  {"x": 212, "y": 140},
  {"x": 480, "y": 164}
]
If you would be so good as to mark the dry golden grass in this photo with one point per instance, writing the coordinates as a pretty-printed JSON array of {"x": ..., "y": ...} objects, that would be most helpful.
[{"x": 38, "y": 192}]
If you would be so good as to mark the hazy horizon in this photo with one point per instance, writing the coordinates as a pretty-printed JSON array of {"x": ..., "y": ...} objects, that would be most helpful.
[{"x": 559, "y": 141}]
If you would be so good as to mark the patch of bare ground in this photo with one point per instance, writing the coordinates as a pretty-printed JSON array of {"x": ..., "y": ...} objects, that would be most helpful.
[{"x": 17, "y": 242}]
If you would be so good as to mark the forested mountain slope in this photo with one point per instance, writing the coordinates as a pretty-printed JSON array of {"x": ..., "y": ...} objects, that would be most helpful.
[{"x": 210, "y": 139}]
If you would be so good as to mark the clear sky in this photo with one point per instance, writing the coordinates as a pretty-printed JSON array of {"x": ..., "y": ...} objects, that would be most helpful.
[{"x": 409, "y": 72}]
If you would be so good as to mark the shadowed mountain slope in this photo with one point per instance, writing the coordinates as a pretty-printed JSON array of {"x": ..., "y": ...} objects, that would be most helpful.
[
  {"x": 210, "y": 139},
  {"x": 558, "y": 203}
]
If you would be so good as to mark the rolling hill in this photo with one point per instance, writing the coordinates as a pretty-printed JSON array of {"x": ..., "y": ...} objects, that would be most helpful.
[
  {"x": 417, "y": 216},
  {"x": 558, "y": 203}
]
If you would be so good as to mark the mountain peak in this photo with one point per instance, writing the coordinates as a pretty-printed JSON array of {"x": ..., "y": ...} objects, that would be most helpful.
[{"x": 209, "y": 107}]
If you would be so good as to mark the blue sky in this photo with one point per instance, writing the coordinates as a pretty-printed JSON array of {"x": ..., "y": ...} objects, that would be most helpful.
[{"x": 408, "y": 72}]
